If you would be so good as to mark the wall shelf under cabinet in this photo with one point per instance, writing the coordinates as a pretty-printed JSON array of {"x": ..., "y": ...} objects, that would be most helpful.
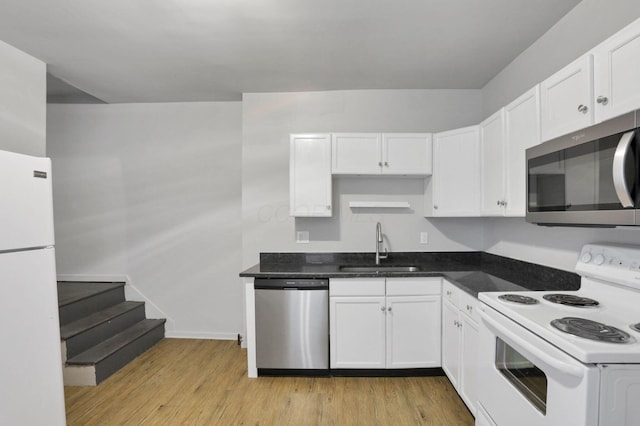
[{"x": 380, "y": 204}]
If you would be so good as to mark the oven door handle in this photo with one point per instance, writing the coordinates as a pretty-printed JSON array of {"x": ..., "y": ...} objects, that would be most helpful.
[
  {"x": 561, "y": 366},
  {"x": 619, "y": 169}
]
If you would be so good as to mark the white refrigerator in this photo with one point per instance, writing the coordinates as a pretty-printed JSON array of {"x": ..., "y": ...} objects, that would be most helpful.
[{"x": 31, "y": 387}]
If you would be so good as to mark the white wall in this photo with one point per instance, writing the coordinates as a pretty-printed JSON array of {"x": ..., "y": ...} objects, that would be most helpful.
[
  {"x": 588, "y": 24},
  {"x": 152, "y": 192},
  {"x": 269, "y": 118},
  {"x": 22, "y": 102}
]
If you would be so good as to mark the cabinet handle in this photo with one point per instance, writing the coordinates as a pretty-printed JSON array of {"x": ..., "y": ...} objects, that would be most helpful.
[
  {"x": 602, "y": 100},
  {"x": 386, "y": 163},
  {"x": 329, "y": 207},
  {"x": 435, "y": 207},
  {"x": 583, "y": 108},
  {"x": 382, "y": 309},
  {"x": 389, "y": 309},
  {"x": 498, "y": 202},
  {"x": 379, "y": 163}
]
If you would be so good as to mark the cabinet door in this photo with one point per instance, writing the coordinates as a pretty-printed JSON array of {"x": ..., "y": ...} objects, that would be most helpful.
[
  {"x": 406, "y": 154},
  {"x": 310, "y": 175},
  {"x": 456, "y": 173},
  {"x": 450, "y": 342},
  {"x": 616, "y": 68},
  {"x": 356, "y": 153},
  {"x": 413, "y": 331},
  {"x": 357, "y": 327},
  {"x": 567, "y": 99},
  {"x": 522, "y": 128},
  {"x": 469, "y": 363},
  {"x": 491, "y": 162}
]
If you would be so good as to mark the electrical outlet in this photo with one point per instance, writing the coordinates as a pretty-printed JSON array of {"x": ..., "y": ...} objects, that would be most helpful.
[
  {"x": 302, "y": 237},
  {"x": 424, "y": 237}
]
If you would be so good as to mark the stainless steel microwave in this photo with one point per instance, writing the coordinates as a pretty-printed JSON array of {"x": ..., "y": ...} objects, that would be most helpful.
[{"x": 587, "y": 178}]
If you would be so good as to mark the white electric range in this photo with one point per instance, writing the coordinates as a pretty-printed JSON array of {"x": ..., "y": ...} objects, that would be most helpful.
[{"x": 565, "y": 357}]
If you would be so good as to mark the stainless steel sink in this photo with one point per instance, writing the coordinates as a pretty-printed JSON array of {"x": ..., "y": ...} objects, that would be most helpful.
[{"x": 379, "y": 268}]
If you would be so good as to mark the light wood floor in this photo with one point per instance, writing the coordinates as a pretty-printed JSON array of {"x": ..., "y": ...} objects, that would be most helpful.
[{"x": 204, "y": 382}]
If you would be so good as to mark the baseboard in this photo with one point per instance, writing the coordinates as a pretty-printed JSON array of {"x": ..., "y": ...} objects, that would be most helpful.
[{"x": 177, "y": 334}]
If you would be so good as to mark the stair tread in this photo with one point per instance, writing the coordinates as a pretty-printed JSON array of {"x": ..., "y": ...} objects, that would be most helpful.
[
  {"x": 73, "y": 291},
  {"x": 76, "y": 327},
  {"x": 110, "y": 346}
]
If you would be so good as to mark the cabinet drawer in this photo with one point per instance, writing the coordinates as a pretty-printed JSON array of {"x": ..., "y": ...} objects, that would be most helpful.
[
  {"x": 469, "y": 305},
  {"x": 450, "y": 292},
  {"x": 419, "y": 286},
  {"x": 356, "y": 287}
]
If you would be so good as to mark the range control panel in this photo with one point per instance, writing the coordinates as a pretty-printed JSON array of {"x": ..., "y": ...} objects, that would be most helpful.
[{"x": 614, "y": 263}]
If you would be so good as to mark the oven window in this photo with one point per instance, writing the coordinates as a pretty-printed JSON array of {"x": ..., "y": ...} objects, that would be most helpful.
[{"x": 523, "y": 374}]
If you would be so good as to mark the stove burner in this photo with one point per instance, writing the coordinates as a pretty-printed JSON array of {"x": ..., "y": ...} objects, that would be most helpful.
[
  {"x": 571, "y": 300},
  {"x": 591, "y": 330},
  {"x": 635, "y": 327},
  {"x": 516, "y": 298}
]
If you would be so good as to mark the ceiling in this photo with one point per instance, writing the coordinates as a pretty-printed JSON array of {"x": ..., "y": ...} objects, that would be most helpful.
[{"x": 215, "y": 50}]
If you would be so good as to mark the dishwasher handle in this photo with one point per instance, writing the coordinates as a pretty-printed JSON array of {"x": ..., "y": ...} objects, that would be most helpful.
[{"x": 290, "y": 284}]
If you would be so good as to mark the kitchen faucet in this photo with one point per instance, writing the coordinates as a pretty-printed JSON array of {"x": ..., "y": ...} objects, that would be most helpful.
[{"x": 378, "y": 242}]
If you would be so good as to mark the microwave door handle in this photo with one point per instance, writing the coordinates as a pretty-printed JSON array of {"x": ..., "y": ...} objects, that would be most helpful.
[
  {"x": 619, "y": 172},
  {"x": 558, "y": 365}
]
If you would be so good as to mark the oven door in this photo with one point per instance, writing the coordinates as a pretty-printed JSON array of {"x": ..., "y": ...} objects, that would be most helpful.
[{"x": 529, "y": 382}]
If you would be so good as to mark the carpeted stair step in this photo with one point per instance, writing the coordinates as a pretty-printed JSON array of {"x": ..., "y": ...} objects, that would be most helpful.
[
  {"x": 80, "y": 335},
  {"x": 79, "y": 299},
  {"x": 100, "y": 361}
]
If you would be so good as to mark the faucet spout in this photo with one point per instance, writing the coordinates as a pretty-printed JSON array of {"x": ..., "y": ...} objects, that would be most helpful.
[{"x": 379, "y": 241}]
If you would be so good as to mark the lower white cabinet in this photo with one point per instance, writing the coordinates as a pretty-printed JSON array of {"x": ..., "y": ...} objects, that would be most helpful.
[
  {"x": 459, "y": 342},
  {"x": 385, "y": 323}
]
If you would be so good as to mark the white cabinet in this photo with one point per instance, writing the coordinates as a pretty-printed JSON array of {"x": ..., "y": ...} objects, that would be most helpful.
[
  {"x": 310, "y": 175},
  {"x": 567, "y": 99},
  {"x": 356, "y": 153},
  {"x": 504, "y": 138},
  {"x": 358, "y": 332},
  {"x": 454, "y": 188},
  {"x": 381, "y": 154},
  {"x": 522, "y": 131},
  {"x": 384, "y": 323},
  {"x": 460, "y": 342},
  {"x": 450, "y": 342},
  {"x": 407, "y": 154},
  {"x": 492, "y": 141},
  {"x": 616, "y": 69}
]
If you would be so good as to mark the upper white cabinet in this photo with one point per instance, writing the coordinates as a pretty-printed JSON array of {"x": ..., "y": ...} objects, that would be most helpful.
[
  {"x": 356, "y": 153},
  {"x": 407, "y": 153},
  {"x": 387, "y": 154},
  {"x": 310, "y": 175},
  {"x": 567, "y": 99},
  {"x": 617, "y": 71},
  {"x": 492, "y": 141},
  {"x": 522, "y": 131},
  {"x": 454, "y": 188}
]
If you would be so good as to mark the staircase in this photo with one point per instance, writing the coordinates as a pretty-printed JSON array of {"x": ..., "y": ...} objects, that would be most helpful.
[{"x": 101, "y": 332}]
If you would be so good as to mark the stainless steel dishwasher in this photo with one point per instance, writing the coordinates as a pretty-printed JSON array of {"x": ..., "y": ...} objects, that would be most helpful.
[{"x": 292, "y": 326}]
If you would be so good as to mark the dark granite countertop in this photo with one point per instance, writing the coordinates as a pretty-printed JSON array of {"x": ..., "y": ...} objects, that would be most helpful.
[{"x": 473, "y": 272}]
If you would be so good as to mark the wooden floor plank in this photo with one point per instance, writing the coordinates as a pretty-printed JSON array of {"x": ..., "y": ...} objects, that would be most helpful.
[{"x": 204, "y": 382}]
